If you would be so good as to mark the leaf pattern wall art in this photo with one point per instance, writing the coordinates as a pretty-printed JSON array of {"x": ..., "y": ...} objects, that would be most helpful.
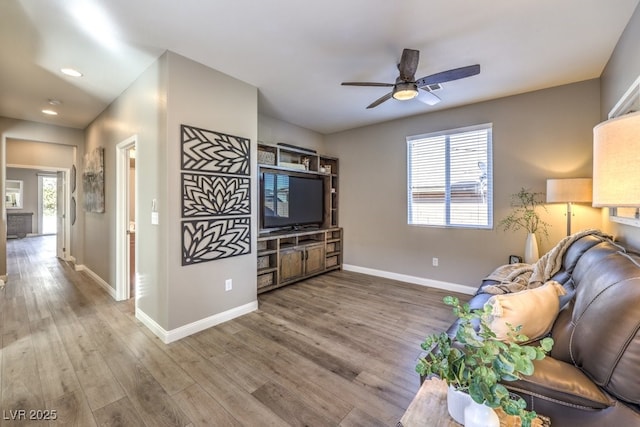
[
  {"x": 206, "y": 195},
  {"x": 208, "y": 240},
  {"x": 209, "y": 151},
  {"x": 216, "y": 195}
]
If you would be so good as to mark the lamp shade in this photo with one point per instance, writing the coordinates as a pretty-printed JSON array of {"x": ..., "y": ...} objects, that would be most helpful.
[
  {"x": 569, "y": 190},
  {"x": 616, "y": 162}
]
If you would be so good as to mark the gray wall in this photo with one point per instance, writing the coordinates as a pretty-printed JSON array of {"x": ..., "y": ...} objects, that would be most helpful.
[
  {"x": 272, "y": 131},
  {"x": 621, "y": 71},
  {"x": 140, "y": 111},
  {"x": 41, "y": 154},
  {"x": 538, "y": 135},
  {"x": 202, "y": 97},
  {"x": 174, "y": 91},
  {"x": 29, "y": 178}
]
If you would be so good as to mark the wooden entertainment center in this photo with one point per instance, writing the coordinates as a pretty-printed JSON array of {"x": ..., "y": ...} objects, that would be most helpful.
[{"x": 289, "y": 255}]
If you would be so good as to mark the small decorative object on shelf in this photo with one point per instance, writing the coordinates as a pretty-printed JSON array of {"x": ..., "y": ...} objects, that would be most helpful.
[
  {"x": 266, "y": 158},
  {"x": 515, "y": 259}
]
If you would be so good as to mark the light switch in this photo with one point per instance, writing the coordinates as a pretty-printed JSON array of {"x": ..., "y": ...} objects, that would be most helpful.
[{"x": 155, "y": 218}]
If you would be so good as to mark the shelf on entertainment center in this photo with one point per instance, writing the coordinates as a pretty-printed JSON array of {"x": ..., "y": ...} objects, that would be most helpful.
[
  {"x": 298, "y": 254},
  {"x": 301, "y": 171}
]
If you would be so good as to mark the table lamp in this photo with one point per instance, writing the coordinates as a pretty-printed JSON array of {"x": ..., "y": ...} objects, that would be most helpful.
[{"x": 616, "y": 161}]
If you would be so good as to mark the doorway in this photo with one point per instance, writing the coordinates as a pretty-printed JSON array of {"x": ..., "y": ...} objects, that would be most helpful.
[
  {"x": 49, "y": 201},
  {"x": 48, "y": 204},
  {"x": 126, "y": 242}
]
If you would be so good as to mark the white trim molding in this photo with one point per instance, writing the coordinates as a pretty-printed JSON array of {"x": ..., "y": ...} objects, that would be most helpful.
[
  {"x": 197, "y": 326},
  {"x": 447, "y": 286},
  {"x": 104, "y": 285},
  {"x": 122, "y": 218}
]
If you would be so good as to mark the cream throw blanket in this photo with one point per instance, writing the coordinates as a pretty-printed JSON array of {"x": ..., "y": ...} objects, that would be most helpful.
[{"x": 518, "y": 277}]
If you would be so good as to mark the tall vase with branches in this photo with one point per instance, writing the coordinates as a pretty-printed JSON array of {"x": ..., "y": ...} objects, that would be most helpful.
[{"x": 526, "y": 205}]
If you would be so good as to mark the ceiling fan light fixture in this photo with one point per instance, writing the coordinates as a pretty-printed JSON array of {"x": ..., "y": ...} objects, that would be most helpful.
[
  {"x": 405, "y": 91},
  {"x": 71, "y": 72}
]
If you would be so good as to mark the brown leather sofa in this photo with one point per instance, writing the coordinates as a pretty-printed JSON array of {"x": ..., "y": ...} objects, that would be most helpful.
[{"x": 591, "y": 378}]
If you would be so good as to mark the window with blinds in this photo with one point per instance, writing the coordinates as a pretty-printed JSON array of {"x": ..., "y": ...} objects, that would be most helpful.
[{"x": 450, "y": 181}]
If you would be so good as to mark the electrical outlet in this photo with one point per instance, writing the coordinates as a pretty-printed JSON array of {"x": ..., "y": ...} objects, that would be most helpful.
[
  {"x": 434, "y": 261},
  {"x": 228, "y": 285}
]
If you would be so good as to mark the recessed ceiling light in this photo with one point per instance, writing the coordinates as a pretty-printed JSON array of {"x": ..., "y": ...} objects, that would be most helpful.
[
  {"x": 50, "y": 112},
  {"x": 54, "y": 101},
  {"x": 71, "y": 72}
]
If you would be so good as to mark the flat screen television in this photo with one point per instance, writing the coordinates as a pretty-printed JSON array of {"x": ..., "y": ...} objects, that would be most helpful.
[{"x": 291, "y": 201}]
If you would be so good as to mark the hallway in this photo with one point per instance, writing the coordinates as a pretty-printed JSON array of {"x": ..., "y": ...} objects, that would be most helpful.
[{"x": 56, "y": 341}]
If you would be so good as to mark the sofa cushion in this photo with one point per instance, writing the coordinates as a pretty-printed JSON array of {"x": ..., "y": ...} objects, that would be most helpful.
[
  {"x": 562, "y": 383},
  {"x": 600, "y": 330},
  {"x": 534, "y": 310}
]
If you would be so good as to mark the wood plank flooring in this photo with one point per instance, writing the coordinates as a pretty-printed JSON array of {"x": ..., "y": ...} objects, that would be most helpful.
[{"x": 335, "y": 350}]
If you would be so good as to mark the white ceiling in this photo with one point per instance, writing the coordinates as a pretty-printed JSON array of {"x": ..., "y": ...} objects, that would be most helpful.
[{"x": 298, "y": 52}]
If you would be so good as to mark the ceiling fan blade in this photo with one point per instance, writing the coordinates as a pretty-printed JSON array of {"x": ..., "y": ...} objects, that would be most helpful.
[
  {"x": 408, "y": 64},
  {"x": 380, "y": 100},
  {"x": 367, "y": 84},
  {"x": 449, "y": 75},
  {"x": 428, "y": 97}
]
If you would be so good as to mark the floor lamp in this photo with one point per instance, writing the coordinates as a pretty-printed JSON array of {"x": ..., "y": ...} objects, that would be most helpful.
[{"x": 569, "y": 190}]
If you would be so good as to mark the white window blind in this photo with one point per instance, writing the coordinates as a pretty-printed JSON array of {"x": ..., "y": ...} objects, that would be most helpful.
[{"x": 450, "y": 180}]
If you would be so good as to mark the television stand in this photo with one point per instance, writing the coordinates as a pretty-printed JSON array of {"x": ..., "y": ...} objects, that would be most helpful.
[{"x": 286, "y": 257}]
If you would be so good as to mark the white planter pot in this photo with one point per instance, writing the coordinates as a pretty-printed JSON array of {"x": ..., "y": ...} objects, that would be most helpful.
[
  {"x": 477, "y": 415},
  {"x": 457, "y": 401},
  {"x": 531, "y": 249}
]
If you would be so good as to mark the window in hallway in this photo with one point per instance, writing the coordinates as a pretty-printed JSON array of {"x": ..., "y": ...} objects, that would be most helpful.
[{"x": 48, "y": 192}]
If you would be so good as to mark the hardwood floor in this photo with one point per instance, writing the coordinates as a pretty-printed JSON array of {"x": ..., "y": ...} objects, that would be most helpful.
[{"x": 336, "y": 350}]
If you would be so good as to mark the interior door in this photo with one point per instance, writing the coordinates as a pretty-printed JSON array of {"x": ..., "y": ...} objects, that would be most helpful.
[{"x": 61, "y": 232}]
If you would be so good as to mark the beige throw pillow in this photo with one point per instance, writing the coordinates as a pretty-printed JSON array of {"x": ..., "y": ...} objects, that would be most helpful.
[{"x": 535, "y": 309}]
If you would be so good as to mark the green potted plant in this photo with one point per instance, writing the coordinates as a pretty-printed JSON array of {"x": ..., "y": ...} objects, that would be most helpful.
[
  {"x": 525, "y": 215},
  {"x": 475, "y": 361}
]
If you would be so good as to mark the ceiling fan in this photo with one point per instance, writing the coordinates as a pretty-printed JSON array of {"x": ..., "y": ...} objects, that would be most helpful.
[{"x": 407, "y": 86}]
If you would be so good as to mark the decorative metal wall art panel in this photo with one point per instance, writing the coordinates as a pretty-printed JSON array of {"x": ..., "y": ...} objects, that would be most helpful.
[
  {"x": 213, "y": 195},
  {"x": 216, "y": 195},
  {"x": 208, "y": 240},
  {"x": 208, "y": 151}
]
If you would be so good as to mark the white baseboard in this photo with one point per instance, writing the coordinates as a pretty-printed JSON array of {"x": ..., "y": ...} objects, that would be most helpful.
[
  {"x": 104, "y": 285},
  {"x": 447, "y": 286},
  {"x": 197, "y": 326}
]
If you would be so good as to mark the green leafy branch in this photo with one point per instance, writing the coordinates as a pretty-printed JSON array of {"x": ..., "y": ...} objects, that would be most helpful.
[
  {"x": 475, "y": 361},
  {"x": 524, "y": 214}
]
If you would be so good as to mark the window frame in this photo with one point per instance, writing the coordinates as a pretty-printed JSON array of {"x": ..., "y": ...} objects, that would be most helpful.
[{"x": 448, "y": 185}]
